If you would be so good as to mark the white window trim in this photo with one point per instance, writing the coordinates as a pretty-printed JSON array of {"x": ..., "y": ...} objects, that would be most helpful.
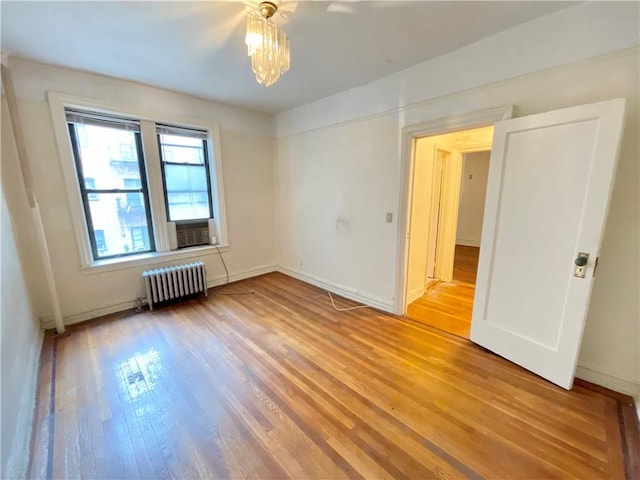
[
  {"x": 57, "y": 104},
  {"x": 151, "y": 259}
]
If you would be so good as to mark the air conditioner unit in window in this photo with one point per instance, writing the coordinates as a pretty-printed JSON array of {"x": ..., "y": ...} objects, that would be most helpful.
[{"x": 191, "y": 233}]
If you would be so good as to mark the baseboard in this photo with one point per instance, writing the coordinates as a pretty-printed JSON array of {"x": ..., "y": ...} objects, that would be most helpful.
[
  {"x": 467, "y": 243},
  {"x": 415, "y": 294},
  {"x": 346, "y": 292},
  {"x": 235, "y": 277},
  {"x": 48, "y": 321},
  {"x": 18, "y": 459},
  {"x": 608, "y": 381}
]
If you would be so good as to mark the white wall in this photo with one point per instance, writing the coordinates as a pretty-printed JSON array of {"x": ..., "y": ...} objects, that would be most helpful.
[
  {"x": 585, "y": 31},
  {"x": 20, "y": 341},
  {"x": 472, "y": 195},
  {"x": 247, "y": 145},
  {"x": 341, "y": 158}
]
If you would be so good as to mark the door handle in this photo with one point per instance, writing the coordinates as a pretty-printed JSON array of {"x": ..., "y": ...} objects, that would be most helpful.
[
  {"x": 581, "y": 261},
  {"x": 581, "y": 265}
]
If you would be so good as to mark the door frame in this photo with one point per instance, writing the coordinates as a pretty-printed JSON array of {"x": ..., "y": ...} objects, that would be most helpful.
[
  {"x": 446, "y": 237},
  {"x": 434, "y": 223},
  {"x": 425, "y": 128}
]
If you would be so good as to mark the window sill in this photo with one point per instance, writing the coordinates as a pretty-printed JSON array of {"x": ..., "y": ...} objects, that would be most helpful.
[{"x": 153, "y": 258}]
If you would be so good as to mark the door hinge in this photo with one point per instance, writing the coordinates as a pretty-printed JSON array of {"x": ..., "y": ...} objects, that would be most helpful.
[{"x": 595, "y": 267}]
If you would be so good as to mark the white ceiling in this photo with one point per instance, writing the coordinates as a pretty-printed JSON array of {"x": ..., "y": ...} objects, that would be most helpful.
[{"x": 198, "y": 47}]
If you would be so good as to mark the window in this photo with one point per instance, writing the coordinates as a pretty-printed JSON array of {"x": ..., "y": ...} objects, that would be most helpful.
[
  {"x": 133, "y": 199},
  {"x": 101, "y": 245},
  {"x": 90, "y": 184},
  {"x": 120, "y": 205},
  {"x": 129, "y": 178},
  {"x": 139, "y": 238},
  {"x": 185, "y": 173}
]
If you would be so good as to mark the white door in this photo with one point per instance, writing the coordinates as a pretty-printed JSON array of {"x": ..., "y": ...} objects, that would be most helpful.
[{"x": 550, "y": 178}]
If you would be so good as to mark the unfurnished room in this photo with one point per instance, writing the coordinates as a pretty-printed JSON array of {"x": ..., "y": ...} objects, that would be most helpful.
[{"x": 320, "y": 239}]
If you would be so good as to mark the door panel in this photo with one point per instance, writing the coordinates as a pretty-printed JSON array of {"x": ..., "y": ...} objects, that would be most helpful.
[{"x": 550, "y": 177}]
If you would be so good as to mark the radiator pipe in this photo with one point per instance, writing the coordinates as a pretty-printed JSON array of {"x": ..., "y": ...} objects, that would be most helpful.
[{"x": 36, "y": 216}]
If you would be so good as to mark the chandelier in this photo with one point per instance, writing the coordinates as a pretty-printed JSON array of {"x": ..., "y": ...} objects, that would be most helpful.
[{"x": 267, "y": 45}]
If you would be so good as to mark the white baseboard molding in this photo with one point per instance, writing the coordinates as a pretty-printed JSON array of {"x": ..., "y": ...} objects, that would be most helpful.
[
  {"x": 608, "y": 381},
  {"x": 18, "y": 459},
  {"x": 415, "y": 294},
  {"x": 346, "y": 292},
  {"x": 234, "y": 277},
  {"x": 467, "y": 242},
  {"x": 47, "y": 322}
]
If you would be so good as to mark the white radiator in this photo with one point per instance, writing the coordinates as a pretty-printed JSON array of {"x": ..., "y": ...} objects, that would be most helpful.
[{"x": 175, "y": 282}]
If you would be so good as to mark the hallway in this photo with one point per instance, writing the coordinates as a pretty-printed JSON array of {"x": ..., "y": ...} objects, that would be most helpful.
[{"x": 448, "y": 306}]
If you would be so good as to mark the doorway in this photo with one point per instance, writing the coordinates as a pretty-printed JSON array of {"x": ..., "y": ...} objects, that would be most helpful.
[
  {"x": 534, "y": 318},
  {"x": 448, "y": 190}
]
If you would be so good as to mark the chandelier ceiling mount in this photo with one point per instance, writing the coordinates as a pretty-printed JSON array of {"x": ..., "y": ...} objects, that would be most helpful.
[{"x": 267, "y": 9}]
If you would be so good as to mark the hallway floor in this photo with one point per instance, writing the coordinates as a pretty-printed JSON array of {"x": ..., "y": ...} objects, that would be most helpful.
[{"x": 448, "y": 306}]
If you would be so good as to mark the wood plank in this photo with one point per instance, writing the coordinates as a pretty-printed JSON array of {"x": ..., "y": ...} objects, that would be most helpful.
[
  {"x": 448, "y": 305},
  {"x": 280, "y": 385}
]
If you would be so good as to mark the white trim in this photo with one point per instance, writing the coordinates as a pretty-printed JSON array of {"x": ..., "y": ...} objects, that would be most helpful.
[
  {"x": 465, "y": 121},
  {"x": 130, "y": 304},
  {"x": 19, "y": 453},
  {"x": 152, "y": 258},
  {"x": 154, "y": 177},
  {"x": 346, "y": 292},
  {"x": 217, "y": 186},
  {"x": 57, "y": 104},
  {"x": 415, "y": 294},
  {"x": 609, "y": 381},
  {"x": 467, "y": 242}
]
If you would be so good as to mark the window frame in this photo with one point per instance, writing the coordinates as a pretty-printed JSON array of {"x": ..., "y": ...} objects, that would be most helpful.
[
  {"x": 164, "y": 181},
  {"x": 148, "y": 119}
]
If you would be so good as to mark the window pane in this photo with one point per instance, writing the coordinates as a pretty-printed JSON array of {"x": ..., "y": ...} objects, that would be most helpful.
[
  {"x": 90, "y": 184},
  {"x": 178, "y": 149},
  {"x": 108, "y": 155},
  {"x": 187, "y": 184},
  {"x": 188, "y": 206},
  {"x": 184, "y": 178},
  {"x": 101, "y": 243},
  {"x": 132, "y": 183},
  {"x": 122, "y": 219}
]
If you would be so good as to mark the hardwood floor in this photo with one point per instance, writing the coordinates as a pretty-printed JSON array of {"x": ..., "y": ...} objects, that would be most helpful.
[
  {"x": 448, "y": 306},
  {"x": 280, "y": 385}
]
